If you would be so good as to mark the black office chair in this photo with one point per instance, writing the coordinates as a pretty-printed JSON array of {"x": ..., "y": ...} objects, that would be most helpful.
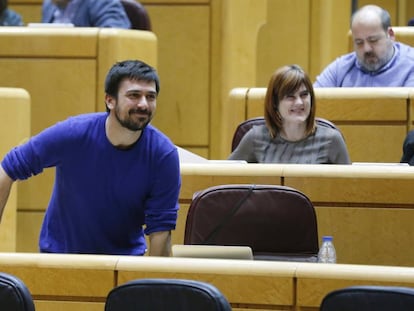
[
  {"x": 137, "y": 15},
  {"x": 166, "y": 294},
  {"x": 246, "y": 125},
  {"x": 369, "y": 298},
  {"x": 276, "y": 222},
  {"x": 14, "y": 295}
]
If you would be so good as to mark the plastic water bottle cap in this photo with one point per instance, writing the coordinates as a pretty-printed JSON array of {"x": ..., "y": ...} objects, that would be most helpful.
[{"x": 327, "y": 238}]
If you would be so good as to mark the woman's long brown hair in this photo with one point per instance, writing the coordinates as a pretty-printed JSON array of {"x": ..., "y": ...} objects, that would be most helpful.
[{"x": 284, "y": 81}]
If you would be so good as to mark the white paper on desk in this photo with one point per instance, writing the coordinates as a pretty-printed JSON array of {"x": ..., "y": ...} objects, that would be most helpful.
[
  {"x": 380, "y": 163},
  {"x": 50, "y": 25},
  {"x": 227, "y": 161}
]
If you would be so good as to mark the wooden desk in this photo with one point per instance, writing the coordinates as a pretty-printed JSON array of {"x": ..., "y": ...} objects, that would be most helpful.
[
  {"x": 15, "y": 127},
  {"x": 63, "y": 282},
  {"x": 263, "y": 285},
  {"x": 63, "y": 69},
  {"x": 368, "y": 209},
  {"x": 82, "y": 282},
  {"x": 313, "y": 282}
]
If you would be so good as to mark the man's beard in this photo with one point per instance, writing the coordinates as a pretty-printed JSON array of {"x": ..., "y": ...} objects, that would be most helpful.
[
  {"x": 372, "y": 66},
  {"x": 129, "y": 122},
  {"x": 379, "y": 63}
]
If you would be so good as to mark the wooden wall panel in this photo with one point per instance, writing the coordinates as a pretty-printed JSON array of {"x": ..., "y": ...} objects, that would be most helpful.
[
  {"x": 280, "y": 44},
  {"x": 183, "y": 43},
  {"x": 325, "y": 14},
  {"x": 30, "y": 11}
]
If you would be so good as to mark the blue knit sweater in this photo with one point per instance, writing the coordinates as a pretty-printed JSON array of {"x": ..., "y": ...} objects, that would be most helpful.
[{"x": 103, "y": 196}]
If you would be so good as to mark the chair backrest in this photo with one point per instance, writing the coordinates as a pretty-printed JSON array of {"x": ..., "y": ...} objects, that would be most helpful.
[
  {"x": 369, "y": 298},
  {"x": 14, "y": 295},
  {"x": 137, "y": 14},
  {"x": 277, "y": 222},
  {"x": 246, "y": 125},
  {"x": 166, "y": 294}
]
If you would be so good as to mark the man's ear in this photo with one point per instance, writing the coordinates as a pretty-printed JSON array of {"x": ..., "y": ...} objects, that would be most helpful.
[
  {"x": 391, "y": 33},
  {"x": 110, "y": 101}
]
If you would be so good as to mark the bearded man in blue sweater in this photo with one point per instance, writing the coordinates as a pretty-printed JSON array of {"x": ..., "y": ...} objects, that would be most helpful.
[{"x": 117, "y": 176}]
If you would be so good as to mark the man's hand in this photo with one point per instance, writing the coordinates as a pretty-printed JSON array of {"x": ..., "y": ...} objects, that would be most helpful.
[{"x": 160, "y": 243}]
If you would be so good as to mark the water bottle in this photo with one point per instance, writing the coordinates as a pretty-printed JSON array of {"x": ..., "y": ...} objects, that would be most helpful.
[{"x": 327, "y": 253}]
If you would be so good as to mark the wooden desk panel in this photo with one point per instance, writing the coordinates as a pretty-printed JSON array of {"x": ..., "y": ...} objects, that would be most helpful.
[
  {"x": 353, "y": 203},
  {"x": 177, "y": 236},
  {"x": 338, "y": 104},
  {"x": 376, "y": 214},
  {"x": 373, "y": 120},
  {"x": 255, "y": 102},
  {"x": 372, "y": 203},
  {"x": 59, "y": 281},
  {"x": 368, "y": 209},
  {"x": 369, "y": 236},
  {"x": 363, "y": 104},
  {"x": 48, "y": 42},
  {"x": 374, "y": 143},
  {"x": 355, "y": 191},
  {"x": 80, "y": 281},
  {"x": 43, "y": 305},
  {"x": 315, "y": 281},
  {"x": 247, "y": 283},
  {"x": 15, "y": 128},
  {"x": 28, "y": 230}
]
